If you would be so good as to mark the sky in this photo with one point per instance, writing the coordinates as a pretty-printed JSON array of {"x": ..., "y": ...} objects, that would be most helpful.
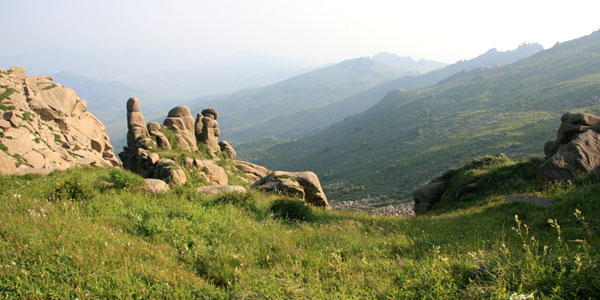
[{"x": 176, "y": 33}]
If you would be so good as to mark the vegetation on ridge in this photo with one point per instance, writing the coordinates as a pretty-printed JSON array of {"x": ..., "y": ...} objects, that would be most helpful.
[
  {"x": 104, "y": 241},
  {"x": 413, "y": 136}
]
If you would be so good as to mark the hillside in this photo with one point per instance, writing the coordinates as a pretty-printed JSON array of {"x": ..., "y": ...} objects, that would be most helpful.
[
  {"x": 94, "y": 233},
  {"x": 405, "y": 62},
  {"x": 411, "y": 136},
  {"x": 317, "y": 119},
  {"x": 246, "y": 114}
]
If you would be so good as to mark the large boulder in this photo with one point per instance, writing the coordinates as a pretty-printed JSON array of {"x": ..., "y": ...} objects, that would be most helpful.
[
  {"x": 426, "y": 195},
  {"x": 180, "y": 120},
  {"x": 580, "y": 156},
  {"x": 252, "y": 171},
  {"x": 575, "y": 151},
  {"x": 227, "y": 149},
  {"x": 208, "y": 129},
  {"x": 45, "y": 126},
  {"x": 213, "y": 172},
  {"x": 283, "y": 182}
]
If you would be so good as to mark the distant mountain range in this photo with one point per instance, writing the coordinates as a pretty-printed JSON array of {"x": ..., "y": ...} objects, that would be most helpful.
[
  {"x": 411, "y": 136},
  {"x": 406, "y": 62},
  {"x": 313, "y": 120},
  {"x": 249, "y": 114}
]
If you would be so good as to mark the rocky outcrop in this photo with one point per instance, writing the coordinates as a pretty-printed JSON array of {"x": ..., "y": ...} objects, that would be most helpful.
[
  {"x": 252, "y": 171},
  {"x": 576, "y": 150},
  {"x": 149, "y": 140},
  {"x": 302, "y": 185},
  {"x": 161, "y": 139},
  {"x": 209, "y": 129},
  {"x": 227, "y": 149},
  {"x": 426, "y": 195},
  {"x": 44, "y": 126},
  {"x": 180, "y": 120}
]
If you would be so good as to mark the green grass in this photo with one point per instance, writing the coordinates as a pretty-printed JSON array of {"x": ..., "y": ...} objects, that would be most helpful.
[
  {"x": 103, "y": 241},
  {"x": 50, "y": 87}
]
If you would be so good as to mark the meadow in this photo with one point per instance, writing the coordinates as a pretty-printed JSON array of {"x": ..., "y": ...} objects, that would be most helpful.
[{"x": 94, "y": 233}]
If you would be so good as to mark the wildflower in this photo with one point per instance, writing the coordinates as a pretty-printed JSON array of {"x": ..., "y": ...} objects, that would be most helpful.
[
  {"x": 181, "y": 251},
  {"x": 272, "y": 238},
  {"x": 516, "y": 296},
  {"x": 481, "y": 268},
  {"x": 473, "y": 275},
  {"x": 399, "y": 261}
]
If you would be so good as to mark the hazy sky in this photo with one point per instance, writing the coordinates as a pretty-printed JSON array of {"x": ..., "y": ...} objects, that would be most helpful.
[{"x": 316, "y": 31}]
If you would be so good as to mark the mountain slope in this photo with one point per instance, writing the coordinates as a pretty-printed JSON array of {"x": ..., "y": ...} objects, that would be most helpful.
[
  {"x": 409, "y": 137},
  {"x": 406, "y": 62},
  {"x": 244, "y": 112},
  {"x": 316, "y": 119}
]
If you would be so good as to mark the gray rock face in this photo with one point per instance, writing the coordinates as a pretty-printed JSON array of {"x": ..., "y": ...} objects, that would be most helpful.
[
  {"x": 580, "y": 156},
  {"x": 576, "y": 150},
  {"x": 228, "y": 149},
  {"x": 45, "y": 126},
  {"x": 180, "y": 120},
  {"x": 283, "y": 182},
  {"x": 426, "y": 195}
]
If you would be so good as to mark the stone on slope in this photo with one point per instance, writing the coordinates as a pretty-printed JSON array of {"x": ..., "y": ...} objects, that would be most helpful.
[
  {"x": 45, "y": 126},
  {"x": 426, "y": 195},
  {"x": 156, "y": 186},
  {"x": 228, "y": 149},
  {"x": 309, "y": 182}
]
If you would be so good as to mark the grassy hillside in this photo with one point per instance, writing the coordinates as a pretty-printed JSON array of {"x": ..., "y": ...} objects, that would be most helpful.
[
  {"x": 246, "y": 115},
  {"x": 319, "y": 118},
  {"x": 93, "y": 234},
  {"x": 410, "y": 137}
]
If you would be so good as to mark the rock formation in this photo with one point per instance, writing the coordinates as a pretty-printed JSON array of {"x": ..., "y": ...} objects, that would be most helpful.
[
  {"x": 576, "y": 150},
  {"x": 426, "y": 195},
  {"x": 137, "y": 134},
  {"x": 228, "y": 149},
  {"x": 209, "y": 134},
  {"x": 146, "y": 141},
  {"x": 180, "y": 120},
  {"x": 303, "y": 185},
  {"x": 161, "y": 139},
  {"x": 44, "y": 126}
]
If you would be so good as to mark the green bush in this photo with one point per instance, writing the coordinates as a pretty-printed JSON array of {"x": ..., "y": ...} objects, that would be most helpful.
[
  {"x": 242, "y": 200},
  {"x": 121, "y": 179},
  {"x": 291, "y": 209},
  {"x": 71, "y": 189}
]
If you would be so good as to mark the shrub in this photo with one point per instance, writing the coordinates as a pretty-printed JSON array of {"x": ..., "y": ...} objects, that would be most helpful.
[
  {"x": 242, "y": 200},
  {"x": 121, "y": 179},
  {"x": 71, "y": 189},
  {"x": 291, "y": 209}
]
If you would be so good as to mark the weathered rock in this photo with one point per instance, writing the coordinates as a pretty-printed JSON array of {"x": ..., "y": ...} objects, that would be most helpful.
[
  {"x": 214, "y": 173},
  {"x": 252, "y": 171},
  {"x": 156, "y": 186},
  {"x": 309, "y": 182},
  {"x": 137, "y": 134},
  {"x": 426, "y": 195},
  {"x": 580, "y": 156},
  {"x": 48, "y": 127},
  {"x": 180, "y": 120},
  {"x": 210, "y": 130},
  {"x": 575, "y": 123},
  {"x": 228, "y": 149},
  {"x": 161, "y": 139},
  {"x": 214, "y": 189}
]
